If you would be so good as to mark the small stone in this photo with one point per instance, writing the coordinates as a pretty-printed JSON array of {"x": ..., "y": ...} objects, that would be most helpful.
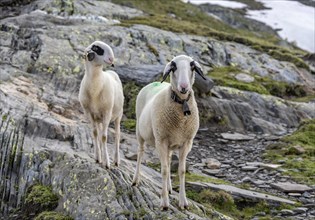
[
  {"x": 131, "y": 156},
  {"x": 281, "y": 161},
  {"x": 261, "y": 213},
  {"x": 225, "y": 166},
  {"x": 291, "y": 187},
  {"x": 249, "y": 168},
  {"x": 270, "y": 166},
  {"x": 295, "y": 194},
  {"x": 297, "y": 149},
  {"x": 286, "y": 212},
  {"x": 236, "y": 137},
  {"x": 243, "y": 77},
  {"x": 300, "y": 210},
  {"x": 258, "y": 182},
  {"x": 246, "y": 179},
  {"x": 212, "y": 163},
  {"x": 211, "y": 171}
]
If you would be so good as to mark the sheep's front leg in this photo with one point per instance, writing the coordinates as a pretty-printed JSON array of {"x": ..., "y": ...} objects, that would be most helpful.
[
  {"x": 136, "y": 178},
  {"x": 169, "y": 182},
  {"x": 165, "y": 170},
  {"x": 117, "y": 141},
  {"x": 106, "y": 162},
  {"x": 183, "y": 152}
]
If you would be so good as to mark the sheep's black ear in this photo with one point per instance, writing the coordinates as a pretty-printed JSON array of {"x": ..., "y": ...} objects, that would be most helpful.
[
  {"x": 170, "y": 67},
  {"x": 90, "y": 56},
  {"x": 195, "y": 66}
]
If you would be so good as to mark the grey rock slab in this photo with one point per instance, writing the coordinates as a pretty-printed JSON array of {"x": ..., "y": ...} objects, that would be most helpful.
[
  {"x": 237, "y": 192},
  {"x": 291, "y": 187},
  {"x": 236, "y": 137},
  {"x": 243, "y": 77}
]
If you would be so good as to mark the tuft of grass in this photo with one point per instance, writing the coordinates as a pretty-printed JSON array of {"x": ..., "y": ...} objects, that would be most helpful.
[
  {"x": 176, "y": 16},
  {"x": 131, "y": 90},
  {"x": 52, "y": 216},
  {"x": 300, "y": 167},
  {"x": 130, "y": 124},
  {"x": 224, "y": 203},
  {"x": 40, "y": 198},
  {"x": 193, "y": 177}
]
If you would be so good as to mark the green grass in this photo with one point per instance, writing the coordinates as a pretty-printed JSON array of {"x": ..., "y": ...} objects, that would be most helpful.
[
  {"x": 40, "y": 198},
  {"x": 225, "y": 76},
  {"x": 300, "y": 166},
  {"x": 131, "y": 90},
  {"x": 52, "y": 216},
  {"x": 224, "y": 203},
  {"x": 176, "y": 16},
  {"x": 129, "y": 124}
]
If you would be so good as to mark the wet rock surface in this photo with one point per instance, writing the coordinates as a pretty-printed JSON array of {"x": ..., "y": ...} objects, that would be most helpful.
[{"x": 41, "y": 66}]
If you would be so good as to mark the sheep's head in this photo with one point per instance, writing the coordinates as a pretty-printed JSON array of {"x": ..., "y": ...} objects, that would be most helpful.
[
  {"x": 182, "y": 70},
  {"x": 99, "y": 53}
]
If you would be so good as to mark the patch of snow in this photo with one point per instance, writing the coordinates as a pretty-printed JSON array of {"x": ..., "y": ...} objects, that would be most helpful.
[
  {"x": 224, "y": 3},
  {"x": 295, "y": 21}
]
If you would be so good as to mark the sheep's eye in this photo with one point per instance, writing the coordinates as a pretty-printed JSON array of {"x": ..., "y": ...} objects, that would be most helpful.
[{"x": 98, "y": 50}]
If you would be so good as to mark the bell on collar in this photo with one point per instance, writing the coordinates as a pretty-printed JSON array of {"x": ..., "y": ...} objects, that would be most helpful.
[{"x": 186, "y": 109}]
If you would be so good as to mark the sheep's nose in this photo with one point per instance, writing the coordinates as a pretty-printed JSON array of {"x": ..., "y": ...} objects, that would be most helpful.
[{"x": 183, "y": 87}]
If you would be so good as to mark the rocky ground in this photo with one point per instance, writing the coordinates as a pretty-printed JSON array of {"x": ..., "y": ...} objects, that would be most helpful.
[{"x": 48, "y": 141}]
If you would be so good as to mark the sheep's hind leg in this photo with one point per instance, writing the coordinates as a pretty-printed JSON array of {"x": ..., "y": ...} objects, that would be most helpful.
[
  {"x": 96, "y": 143},
  {"x": 117, "y": 141},
  {"x": 183, "y": 152},
  {"x": 136, "y": 178}
]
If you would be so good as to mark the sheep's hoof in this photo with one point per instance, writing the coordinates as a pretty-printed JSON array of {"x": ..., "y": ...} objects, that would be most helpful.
[
  {"x": 183, "y": 207},
  {"x": 116, "y": 163},
  {"x": 135, "y": 183},
  {"x": 106, "y": 166},
  {"x": 164, "y": 208},
  {"x": 170, "y": 191},
  {"x": 97, "y": 161}
]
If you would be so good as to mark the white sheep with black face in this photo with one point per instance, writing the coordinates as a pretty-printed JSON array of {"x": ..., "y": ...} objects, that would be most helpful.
[
  {"x": 101, "y": 96},
  {"x": 167, "y": 118}
]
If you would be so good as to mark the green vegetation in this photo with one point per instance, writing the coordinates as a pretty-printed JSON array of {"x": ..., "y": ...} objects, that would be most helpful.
[
  {"x": 131, "y": 91},
  {"x": 224, "y": 203},
  {"x": 154, "y": 166},
  {"x": 176, "y": 16},
  {"x": 40, "y": 198},
  {"x": 193, "y": 177},
  {"x": 236, "y": 208},
  {"x": 52, "y": 216},
  {"x": 129, "y": 124},
  {"x": 299, "y": 164},
  {"x": 252, "y": 4},
  {"x": 225, "y": 76}
]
